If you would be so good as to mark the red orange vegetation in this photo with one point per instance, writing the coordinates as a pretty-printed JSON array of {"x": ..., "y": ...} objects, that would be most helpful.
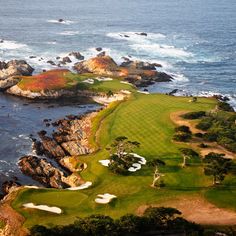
[{"x": 50, "y": 80}]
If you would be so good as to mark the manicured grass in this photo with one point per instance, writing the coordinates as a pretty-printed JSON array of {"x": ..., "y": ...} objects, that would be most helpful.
[{"x": 142, "y": 118}]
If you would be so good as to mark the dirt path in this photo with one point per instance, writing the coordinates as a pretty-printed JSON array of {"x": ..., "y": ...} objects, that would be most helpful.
[
  {"x": 212, "y": 146},
  {"x": 198, "y": 210},
  {"x": 13, "y": 219}
]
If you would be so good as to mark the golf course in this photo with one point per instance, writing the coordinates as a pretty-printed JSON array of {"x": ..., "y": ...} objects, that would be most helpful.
[{"x": 145, "y": 118}]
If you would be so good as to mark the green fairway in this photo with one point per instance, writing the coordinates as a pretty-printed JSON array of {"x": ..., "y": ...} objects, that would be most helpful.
[{"x": 142, "y": 118}]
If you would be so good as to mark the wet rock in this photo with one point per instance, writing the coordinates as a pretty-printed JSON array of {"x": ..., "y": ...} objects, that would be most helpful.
[
  {"x": 173, "y": 92},
  {"x": 3, "y": 65},
  {"x": 51, "y": 149},
  {"x": 140, "y": 65},
  {"x": 60, "y": 20},
  {"x": 51, "y": 62},
  {"x": 42, "y": 171},
  {"x": 101, "y": 54},
  {"x": 99, "y": 49},
  {"x": 142, "y": 34},
  {"x": 32, "y": 57},
  {"x": 221, "y": 98},
  {"x": 77, "y": 55},
  {"x": 58, "y": 58},
  {"x": 66, "y": 60}
]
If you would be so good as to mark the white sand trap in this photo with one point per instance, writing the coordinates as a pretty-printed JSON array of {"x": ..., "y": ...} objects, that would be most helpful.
[
  {"x": 124, "y": 82},
  {"x": 89, "y": 81},
  {"x": 31, "y": 186},
  {"x": 56, "y": 210},
  {"x": 125, "y": 91},
  {"x": 82, "y": 186},
  {"x": 107, "y": 100},
  {"x": 105, "y": 162},
  {"x": 104, "y": 198},
  {"x": 137, "y": 166},
  {"x": 103, "y": 79},
  {"x": 142, "y": 161},
  {"x": 144, "y": 92}
]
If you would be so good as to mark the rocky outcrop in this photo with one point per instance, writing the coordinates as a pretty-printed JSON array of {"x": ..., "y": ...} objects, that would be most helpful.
[
  {"x": 103, "y": 65},
  {"x": 77, "y": 55},
  {"x": 137, "y": 72},
  {"x": 72, "y": 134},
  {"x": 8, "y": 82},
  {"x": 42, "y": 171},
  {"x": 140, "y": 65},
  {"x": 43, "y": 94},
  {"x": 11, "y": 69},
  {"x": 51, "y": 149}
]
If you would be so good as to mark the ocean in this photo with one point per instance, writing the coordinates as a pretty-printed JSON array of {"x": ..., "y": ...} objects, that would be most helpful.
[{"x": 195, "y": 41}]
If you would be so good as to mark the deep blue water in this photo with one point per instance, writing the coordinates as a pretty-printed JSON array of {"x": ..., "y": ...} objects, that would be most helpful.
[{"x": 195, "y": 40}]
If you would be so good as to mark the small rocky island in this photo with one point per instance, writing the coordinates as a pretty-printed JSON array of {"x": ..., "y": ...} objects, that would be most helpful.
[{"x": 16, "y": 77}]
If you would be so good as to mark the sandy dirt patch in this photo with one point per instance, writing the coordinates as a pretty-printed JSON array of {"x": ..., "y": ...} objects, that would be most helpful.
[{"x": 198, "y": 210}]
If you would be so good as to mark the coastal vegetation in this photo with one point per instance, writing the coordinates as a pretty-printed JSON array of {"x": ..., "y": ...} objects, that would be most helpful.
[{"x": 155, "y": 220}]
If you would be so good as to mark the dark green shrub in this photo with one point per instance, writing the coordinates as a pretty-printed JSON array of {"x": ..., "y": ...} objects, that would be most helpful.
[
  {"x": 182, "y": 137},
  {"x": 194, "y": 115},
  {"x": 183, "y": 128}
]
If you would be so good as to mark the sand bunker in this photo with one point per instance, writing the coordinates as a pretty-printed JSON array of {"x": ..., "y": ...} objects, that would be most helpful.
[
  {"x": 103, "y": 79},
  {"x": 104, "y": 198},
  {"x": 144, "y": 92},
  {"x": 125, "y": 91},
  {"x": 89, "y": 81},
  {"x": 31, "y": 186},
  {"x": 124, "y": 82},
  {"x": 105, "y": 162},
  {"x": 82, "y": 186},
  {"x": 56, "y": 210},
  {"x": 134, "y": 167}
]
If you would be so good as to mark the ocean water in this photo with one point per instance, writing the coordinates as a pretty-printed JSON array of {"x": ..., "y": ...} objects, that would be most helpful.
[{"x": 195, "y": 41}]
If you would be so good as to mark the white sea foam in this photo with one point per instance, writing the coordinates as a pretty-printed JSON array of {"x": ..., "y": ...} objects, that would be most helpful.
[
  {"x": 11, "y": 45},
  {"x": 161, "y": 50},
  {"x": 69, "y": 33},
  {"x": 51, "y": 43},
  {"x": 179, "y": 77}
]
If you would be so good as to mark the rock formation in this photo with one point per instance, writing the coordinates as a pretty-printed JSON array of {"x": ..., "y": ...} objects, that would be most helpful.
[
  {"x": 11, "y": 69},
  {"x": 136, "y": 72},
  {"x": 43, "y": 171}
]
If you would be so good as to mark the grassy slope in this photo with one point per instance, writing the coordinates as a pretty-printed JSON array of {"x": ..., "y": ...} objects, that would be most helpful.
[{"x": 144, "y": 118}]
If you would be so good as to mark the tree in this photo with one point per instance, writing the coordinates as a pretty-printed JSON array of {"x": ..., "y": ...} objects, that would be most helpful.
[
  {"x": 122, "y": 146},
  {"x": 217, "y": 166},
  {"x": 187, "y": 153},
  {"x": 157, "y": 175},
  {"x": 110, "y": 93},
  {"x": 161, "y": 216}
]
